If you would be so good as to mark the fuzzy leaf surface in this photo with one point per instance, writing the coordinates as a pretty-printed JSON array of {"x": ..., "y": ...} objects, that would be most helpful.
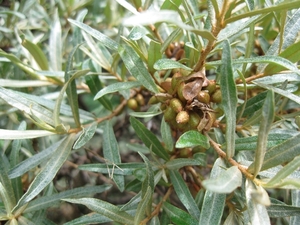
[
  {"x": 184, "y": 193},
  {"x": 149, "y": 139},
  {"x": 104, "y": 208},
  {"x": 226, "y": 182},
  {"x": 191, "y": 139},
  {"x": 213, "y": 203},
  {"x": 178, "y": 216},
  {"x": 229, "y": 98},
  {"x": 136, "y": 67}
]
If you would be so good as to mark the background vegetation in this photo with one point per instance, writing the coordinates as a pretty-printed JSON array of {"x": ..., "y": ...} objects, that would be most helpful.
[{"x": 149, "y": 112}]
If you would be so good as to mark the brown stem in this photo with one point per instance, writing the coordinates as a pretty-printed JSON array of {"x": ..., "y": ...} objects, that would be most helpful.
[
  {"x": 153, "y": 29},
  {"x": 158, "y": 206},
  {"x": 216, "y": 28},
  {"x": 195, "y": 175},
  {"x": 222, "y": 154},
  {"x": 99, "y": 120}
]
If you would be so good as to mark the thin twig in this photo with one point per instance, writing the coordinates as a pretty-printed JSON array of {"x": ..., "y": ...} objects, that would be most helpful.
[
  {"x": 158, "y": 206},
  {"x": 222, "y": 154}
]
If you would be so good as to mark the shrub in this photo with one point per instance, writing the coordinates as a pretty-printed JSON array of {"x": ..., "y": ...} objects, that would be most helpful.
[{"x": 207, "y": 94}]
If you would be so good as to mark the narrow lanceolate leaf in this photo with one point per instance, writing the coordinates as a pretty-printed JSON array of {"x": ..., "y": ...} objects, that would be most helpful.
[
  {"x": 58, "y": 103},
  {"x": 105, "y": 40},
  {"x": 30, "y": 107},
  {"x": 48, "y": 201},
  {"x": 289, "y": 53},
  {"x": 5, "y": 199},
  {"x": 282, "y": 210},
  {"x": 184, "y": 193},
  {"x": 149, "y": 180},
  {"x": 226, "y": 182},
  {"x": 229, "y": 98},
  {"x": 282, "y": 153},
  {"x": 263, "y": 59},
  {"x": 176, "y": 164},
  {"x": 153, "y": 55},
  {"x": 26, "y": 134},
  {"x": 166, "y": 64},
  {"x": 6, "y": 189},
  {"x": 119, "y": 86},
  {"x": 268, "y": 111},
  {"x": 136, "y": 67},
  {"x": 295, "y": 202},
  {"x": 91, "y": 218},
  {"x": 33, "y": 161},
  {"x": 36, "y": 52},
  {"x": 178, "y": 216},
  {"x": 86, "y": 135},
  {"x": 250, "y": 143},
  {"x": 284, "y": 93},
  {"x": 95, "y": 86},
  {"x": 290, "y": 34},
  {"x": 213, "y": 203},
  {"x": 14, "y": 160},
  {"x": 111, "y": 152},
  {"x": 143, "y": 206},
  {"x": 122, "y": 168},
  {"x": 104, "y": 208},
  {"x": 166, "y": 134},
  {"x": 20, "y": 64},
  {"x": 191, "y": 139},
  {"x": 46, "y": 175},
  {"x": 24, "y": 83},
  {"x": 149, "y": 139},
  {"x": 71, "y": 89},
  {"x": 284, "y": 172},
  {"x": 55, "y": 41},
  {"x": 152, "y": 17},
  {"x": 257, "y": 212}
]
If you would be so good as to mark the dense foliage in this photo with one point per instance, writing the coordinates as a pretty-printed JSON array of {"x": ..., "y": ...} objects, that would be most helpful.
[{"x": 150, "y": 111}]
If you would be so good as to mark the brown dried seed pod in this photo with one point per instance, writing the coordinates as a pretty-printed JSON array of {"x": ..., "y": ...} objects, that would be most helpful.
[
  {"x": 182, "y": 117},
  {"x": 176, "y": 105}
]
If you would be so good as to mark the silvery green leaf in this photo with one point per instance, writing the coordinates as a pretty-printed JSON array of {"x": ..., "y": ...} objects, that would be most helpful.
[
  {"x": 257, "y": 212},
  {"x": 226, "y": 182},
  {"x": 104, "y": 208}
]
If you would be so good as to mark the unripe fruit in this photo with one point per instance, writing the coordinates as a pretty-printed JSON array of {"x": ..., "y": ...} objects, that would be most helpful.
[
  {"x": 132, "y": 104},
  {"x": 211, "y": 87},
  {"x": 216, "y": 96},
  {"x": 176, "y": 79},
  {"x": 180, "y": 92},
  {"x": 194, "y": 120},
  {"x": 153, "y": 100},
  {"x": 182, "y": 117},
  {"x": 176, "y": 105},
  {"x": 169, "y": 114},
  {"x": 203, "y": 97},
  {"x": 140, "y": 99},
  {"x": 184, "y": 153}
]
